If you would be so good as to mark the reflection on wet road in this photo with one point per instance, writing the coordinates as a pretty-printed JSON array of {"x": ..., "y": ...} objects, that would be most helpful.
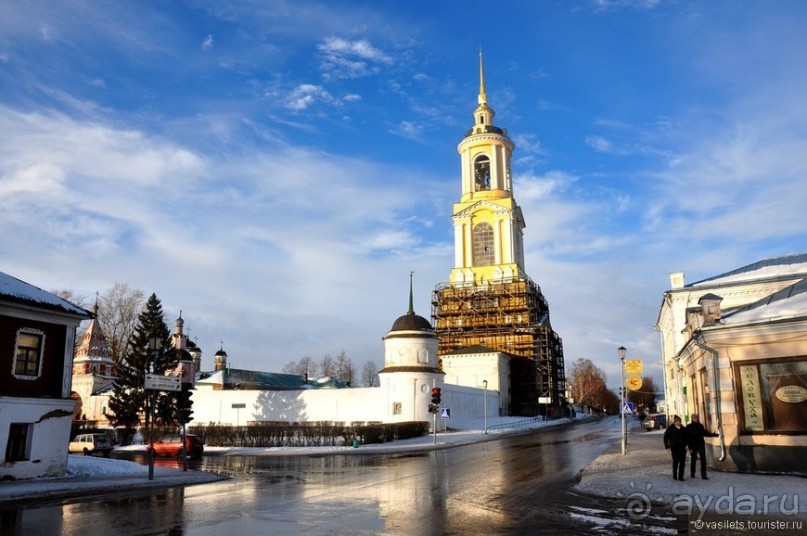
[{"x": 512, "y": 485}]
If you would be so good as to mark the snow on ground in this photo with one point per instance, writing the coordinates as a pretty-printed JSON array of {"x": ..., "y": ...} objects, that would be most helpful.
[
  {"x": 84, "y": 466},
  {"x": 643, "y": 476}
]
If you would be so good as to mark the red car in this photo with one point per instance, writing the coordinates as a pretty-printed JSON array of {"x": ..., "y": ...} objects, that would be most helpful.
[{"x": 171, "y": 446}]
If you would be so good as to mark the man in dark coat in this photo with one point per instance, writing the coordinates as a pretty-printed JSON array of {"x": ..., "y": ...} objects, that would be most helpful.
[
  {"x": 696, "y": 433},
  {"x": 675, "y": 440}
]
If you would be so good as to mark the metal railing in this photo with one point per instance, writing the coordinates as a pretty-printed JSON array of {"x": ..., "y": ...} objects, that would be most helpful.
[{"x": 526, "y": 423}]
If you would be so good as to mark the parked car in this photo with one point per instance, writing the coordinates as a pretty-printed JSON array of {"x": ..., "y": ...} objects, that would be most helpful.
[
  {"x": 172, "y": 446},
  {"x": 656, "y": 421},
  {"x": 89, "y": 444}
]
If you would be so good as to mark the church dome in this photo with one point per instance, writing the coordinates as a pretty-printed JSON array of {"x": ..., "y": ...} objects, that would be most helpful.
[
  {"x": 411, "y": 322},
  {"x": 184, "y": 355}
]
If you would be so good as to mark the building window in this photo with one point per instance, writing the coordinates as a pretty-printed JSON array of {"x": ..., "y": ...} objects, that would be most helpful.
[
  {"x": 19, "y": 445},
  {"x": 30, "y": 348},
  {"x": 483, "y": 245},
  {"x": 773, "y": 396}
]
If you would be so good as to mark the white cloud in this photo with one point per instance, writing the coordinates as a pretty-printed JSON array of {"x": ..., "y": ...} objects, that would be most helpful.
[
  {"x": 599, "y": 144},
  {"x": 407, "y": 129},
  {"x": 361, "y": 48},
  {"x": 237, "y": 240},
  {"x": 208, "y": 42},
  {"x": 306, "y": 95},
  {"x": 527, "y": 144},
  {"x": 350, "y": 59}
]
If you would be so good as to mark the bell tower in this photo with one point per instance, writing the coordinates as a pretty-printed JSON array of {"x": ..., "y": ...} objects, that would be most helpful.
[
  {"x": 490, "y": 303},
  {"x": 488, "y": 224}
]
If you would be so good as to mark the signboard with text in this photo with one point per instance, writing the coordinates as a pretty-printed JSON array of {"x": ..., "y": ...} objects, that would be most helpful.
[
  {"x": 633, "y": 366},
  {"x": 158, "y": 382}
]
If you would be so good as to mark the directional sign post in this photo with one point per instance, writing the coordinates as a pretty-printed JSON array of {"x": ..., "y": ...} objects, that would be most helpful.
[
  {"x": 158, "y": 382},
  {"x": 238, "y": 407}
]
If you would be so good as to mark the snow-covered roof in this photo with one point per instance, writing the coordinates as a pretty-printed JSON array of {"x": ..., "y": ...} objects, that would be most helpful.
[
  {"x": 790, "y": 302},
  {"x": 13, "y": 289},
  {"x": 232, "y": 378},
  {"x": 787, "y": 265}
]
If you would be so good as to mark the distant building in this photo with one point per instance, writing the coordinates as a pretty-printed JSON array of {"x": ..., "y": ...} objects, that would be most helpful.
[
  {"x": 480, "y": 367},
  {"x": 37, "y": 336},
  {"x": 490, "y": 300},
  {"x": 734, "y": 352},
  {"x": 93, "y": 376}
]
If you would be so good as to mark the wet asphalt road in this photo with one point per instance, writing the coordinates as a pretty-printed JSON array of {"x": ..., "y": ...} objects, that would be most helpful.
[{"x": 514, "y": 485}]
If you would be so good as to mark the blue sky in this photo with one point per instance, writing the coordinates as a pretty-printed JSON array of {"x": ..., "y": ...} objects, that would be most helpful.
[{"x": 276, "y": 169}]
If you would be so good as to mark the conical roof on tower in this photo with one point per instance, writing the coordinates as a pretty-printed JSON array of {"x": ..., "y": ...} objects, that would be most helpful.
[
  {"x": 410, "y": 321},
  {"x": 93, "y": 343}
]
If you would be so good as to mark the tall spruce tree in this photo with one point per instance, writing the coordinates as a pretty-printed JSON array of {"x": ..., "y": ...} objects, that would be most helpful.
[
  {"x": 129, "y": 398},
  {"x": 174, "y": 408}
]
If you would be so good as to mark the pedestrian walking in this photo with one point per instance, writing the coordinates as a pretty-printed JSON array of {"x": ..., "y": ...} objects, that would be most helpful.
[
  {"x": 695, "y": 434},
  {"x": 675, "y": 441}
]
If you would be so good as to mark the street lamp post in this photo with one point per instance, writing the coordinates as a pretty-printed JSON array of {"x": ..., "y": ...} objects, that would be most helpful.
[
  {"x": 485, "y": 403},
  {"x": 622, "y": 351},
  {"x": 155, "y": 342}
]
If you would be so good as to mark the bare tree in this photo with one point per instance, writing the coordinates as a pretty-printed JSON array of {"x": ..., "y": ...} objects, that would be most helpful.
[
  {"x": 327, "y": 366},
  {"x": 305, "y": 367},
  {"x": 76, "y": 299},
  {"x": 118, "y": 311},
  {"x": 345, "y": 370},
  {"x": 587, "y": 383},
  {"x": 644, "y": 398},
  {"x": 369, "y": 375},
  {"x": 71, "y": 296}
]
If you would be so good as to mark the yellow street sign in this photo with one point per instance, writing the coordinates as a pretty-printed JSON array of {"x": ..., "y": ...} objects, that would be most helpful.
[
  {"x": 634, "y": 383},
  {"x": 633, "y": 366}
]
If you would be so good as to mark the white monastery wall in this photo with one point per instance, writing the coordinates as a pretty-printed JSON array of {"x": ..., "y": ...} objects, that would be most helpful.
[{"x": 346, "y": 405}]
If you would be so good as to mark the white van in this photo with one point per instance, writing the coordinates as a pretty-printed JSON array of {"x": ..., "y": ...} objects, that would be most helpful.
[{"x": 89, "y": 444}]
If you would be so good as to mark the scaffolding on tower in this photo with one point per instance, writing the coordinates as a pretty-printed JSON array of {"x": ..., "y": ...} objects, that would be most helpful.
[{"x": 510, "y": 317}]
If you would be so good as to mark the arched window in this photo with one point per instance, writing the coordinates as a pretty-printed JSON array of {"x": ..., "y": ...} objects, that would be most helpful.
[
  {"x": 482, "y": 173},
  {"x": 483, "y": 245}
]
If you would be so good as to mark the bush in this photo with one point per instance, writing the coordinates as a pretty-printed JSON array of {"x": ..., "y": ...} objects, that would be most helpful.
[{"x": 307, "y": 434}]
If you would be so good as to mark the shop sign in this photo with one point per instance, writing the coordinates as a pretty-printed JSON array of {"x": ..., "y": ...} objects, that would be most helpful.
[{"x": 752, "y": 400}]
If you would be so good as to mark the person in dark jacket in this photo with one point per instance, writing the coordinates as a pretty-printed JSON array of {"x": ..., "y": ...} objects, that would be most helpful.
[
  {"x": 675, "y": 440},
  {"x": 696, "y": 433}
]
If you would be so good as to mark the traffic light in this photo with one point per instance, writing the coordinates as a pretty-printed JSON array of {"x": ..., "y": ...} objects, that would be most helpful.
[
  {"x": 436, "y": 396},
  {"x": 185, "y": 404},
  {"x": 432, "y": 408}
]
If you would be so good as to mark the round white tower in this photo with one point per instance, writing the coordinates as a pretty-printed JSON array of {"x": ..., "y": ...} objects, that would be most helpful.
[{"x": 410, "y": 368}]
